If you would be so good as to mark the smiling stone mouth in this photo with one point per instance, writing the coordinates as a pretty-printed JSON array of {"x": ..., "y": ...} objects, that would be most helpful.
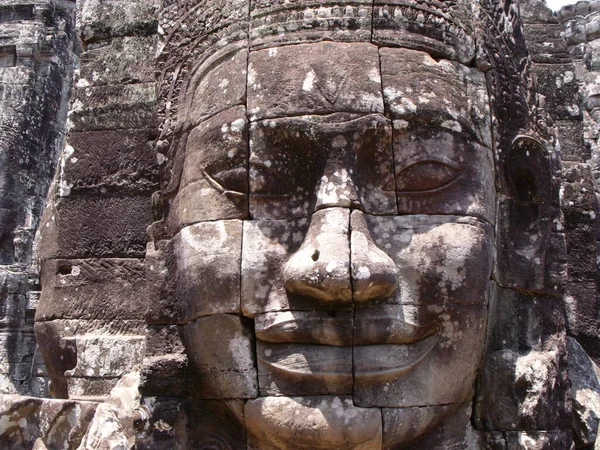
[{"x": 301, "y": 344}]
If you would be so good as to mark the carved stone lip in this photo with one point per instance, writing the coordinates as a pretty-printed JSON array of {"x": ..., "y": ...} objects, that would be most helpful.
[
  {"x": 343, "y": 330},
  {"x": 380, "y": 362}
]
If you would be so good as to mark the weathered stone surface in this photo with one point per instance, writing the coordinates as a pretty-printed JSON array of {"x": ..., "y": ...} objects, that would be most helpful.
[
  {"x": 546, "y": 43},
  {"x": 99, "y": 20},
  {"x": 299, "y": 164},
  {"x": 405, "y": 424},
  {"x": 266, "y": 247},
  {"x": 274, "y": 24},
  {"x": 320, "y": 268},
  {"x": 557, "y": 83},
  {"x": 321, "y": 422},
  {"x": 440, "y": 93},
  {"x": 314, "y": 78},
  {"x": 29, "y": 422},
  {"x": 432, "y": 160},
  {"x": 523, "y": 383},
  {"x": 221, "y": 349},
  {"x": 310, "y": 327},
  {"x": 92, "y": 289},
  {"x": 419, "y": 245},
  {"x": 112, "y": 426},
  {"x": 104, "y": 356},
  {"x": 114, "y": 107},
  {"x": 543, "y": 440},
  {"x": 217, "y": 83},
  {"x": 303, "y": 369},
  {"x": 421, "y": 370},
  {"x": 585, "y": 393},
  {"x": 435, "y": 28},
  {"x": 206, "y": 258},
  {"x": 83, "y": 227},
  {"x": 102, "y": 161},
  {"x": 214, "y": 179},
  {"x": 122, "y": 60}
]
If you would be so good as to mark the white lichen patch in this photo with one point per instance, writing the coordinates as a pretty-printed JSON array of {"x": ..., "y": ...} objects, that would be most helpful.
[{"x": 309, "y": 81}]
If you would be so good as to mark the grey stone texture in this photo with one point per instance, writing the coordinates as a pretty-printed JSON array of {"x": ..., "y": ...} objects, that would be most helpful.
[{"x": 274, "y": 225}]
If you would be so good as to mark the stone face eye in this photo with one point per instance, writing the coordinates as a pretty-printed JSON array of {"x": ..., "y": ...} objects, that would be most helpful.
[
  {"x": 426, "y": 177},
  {"x": 265, "y": 181},
  {"x": 233, "y": 179}
]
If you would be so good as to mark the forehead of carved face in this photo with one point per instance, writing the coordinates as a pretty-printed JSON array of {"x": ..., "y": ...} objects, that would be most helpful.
[{"x": 333, "y": 238}]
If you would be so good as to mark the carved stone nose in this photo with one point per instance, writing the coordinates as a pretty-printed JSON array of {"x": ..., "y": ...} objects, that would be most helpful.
[
  {"x": 321, "y": 267},
  {"x": 338, "y": 261},
  {"x": 374, "y": 274}
]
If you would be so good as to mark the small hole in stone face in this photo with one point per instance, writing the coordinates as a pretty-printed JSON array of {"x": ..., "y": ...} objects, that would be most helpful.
[
  {"x": 315, "y": 255},
  {"x": 65, "y": 269}
]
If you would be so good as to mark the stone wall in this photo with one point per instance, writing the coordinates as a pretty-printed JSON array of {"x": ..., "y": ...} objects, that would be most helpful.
[
  {"x": 36, "y": 59},
  {"x": 94, "y": 226}
]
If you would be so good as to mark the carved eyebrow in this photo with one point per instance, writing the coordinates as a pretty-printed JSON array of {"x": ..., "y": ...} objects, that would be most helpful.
[{"x": 216, "y": 185}]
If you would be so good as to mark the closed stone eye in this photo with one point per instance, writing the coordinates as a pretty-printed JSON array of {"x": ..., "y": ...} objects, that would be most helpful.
[{"x": 424, "y": 177}]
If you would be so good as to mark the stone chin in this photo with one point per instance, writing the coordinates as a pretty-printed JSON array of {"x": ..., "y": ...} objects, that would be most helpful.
[{"x": 334, "y": 422}]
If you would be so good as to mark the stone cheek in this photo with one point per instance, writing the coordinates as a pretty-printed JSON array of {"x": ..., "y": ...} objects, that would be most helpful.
[
  {"x": 315, "y": 78},
  {"x": 221, "y": 350},
  {"x": 205, "y": 272}
]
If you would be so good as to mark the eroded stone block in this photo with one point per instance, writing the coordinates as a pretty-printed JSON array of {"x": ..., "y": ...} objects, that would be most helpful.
[
  {"x": 221, "y": 350},
  {"x": 274, "y": 24},
  {"x": 204, "y": 269},
  {"x": 433, "y": 27},
  {"x": 440, "y": 93},
  {"x": 216, "y": 83},
  {"x": 95, "y": 226},
  {"x": 314, "y": 78},
  {"x": 214, "y": 179},
  {"x": 267, "y": 245},
  {"x": 92, "y": 289},
  {"x": 318, "y": 422},
  {"x": 299, "y": 164},
  {"x": 421, "y": 246},
  {"x": 122, "y": 161}
]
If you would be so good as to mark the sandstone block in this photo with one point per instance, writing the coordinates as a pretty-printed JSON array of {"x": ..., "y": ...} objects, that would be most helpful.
[
  {"x": 221, "y": 350},
  {"x": 302, "y": 163},
  {"x": 98, "y": 20},
  {"x": 273, "y": 24},
  {"x": 315, "y": 78},
  {"x": 214, "y": 179},
  {"x": 414, "y": 370},
  {"x": 321, "y": 422},
  {"x": 92, "y": 289},
  {"x": 267, "y": 245},
  {"x": 204, "y": 269},
  {"x": 425, "y": 28},
  {"x": 214, "y": 84},
  {"x": 441, "y": 93},
  {"x": 124, "y": 60},
  {"x": 122, "y": 161},
  {"x": 115, "y": 107},
  {"x": 95, "y": 226}
]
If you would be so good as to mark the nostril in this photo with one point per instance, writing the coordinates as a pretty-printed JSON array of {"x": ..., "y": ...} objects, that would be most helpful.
[{"x": 315, "y": 255}]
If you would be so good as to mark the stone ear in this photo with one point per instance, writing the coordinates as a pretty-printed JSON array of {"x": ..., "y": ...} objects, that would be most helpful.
[{"x": 524, "y": 220}]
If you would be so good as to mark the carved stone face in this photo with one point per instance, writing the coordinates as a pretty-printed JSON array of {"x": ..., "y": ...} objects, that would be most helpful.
[{"x": 334, "y": 240}]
